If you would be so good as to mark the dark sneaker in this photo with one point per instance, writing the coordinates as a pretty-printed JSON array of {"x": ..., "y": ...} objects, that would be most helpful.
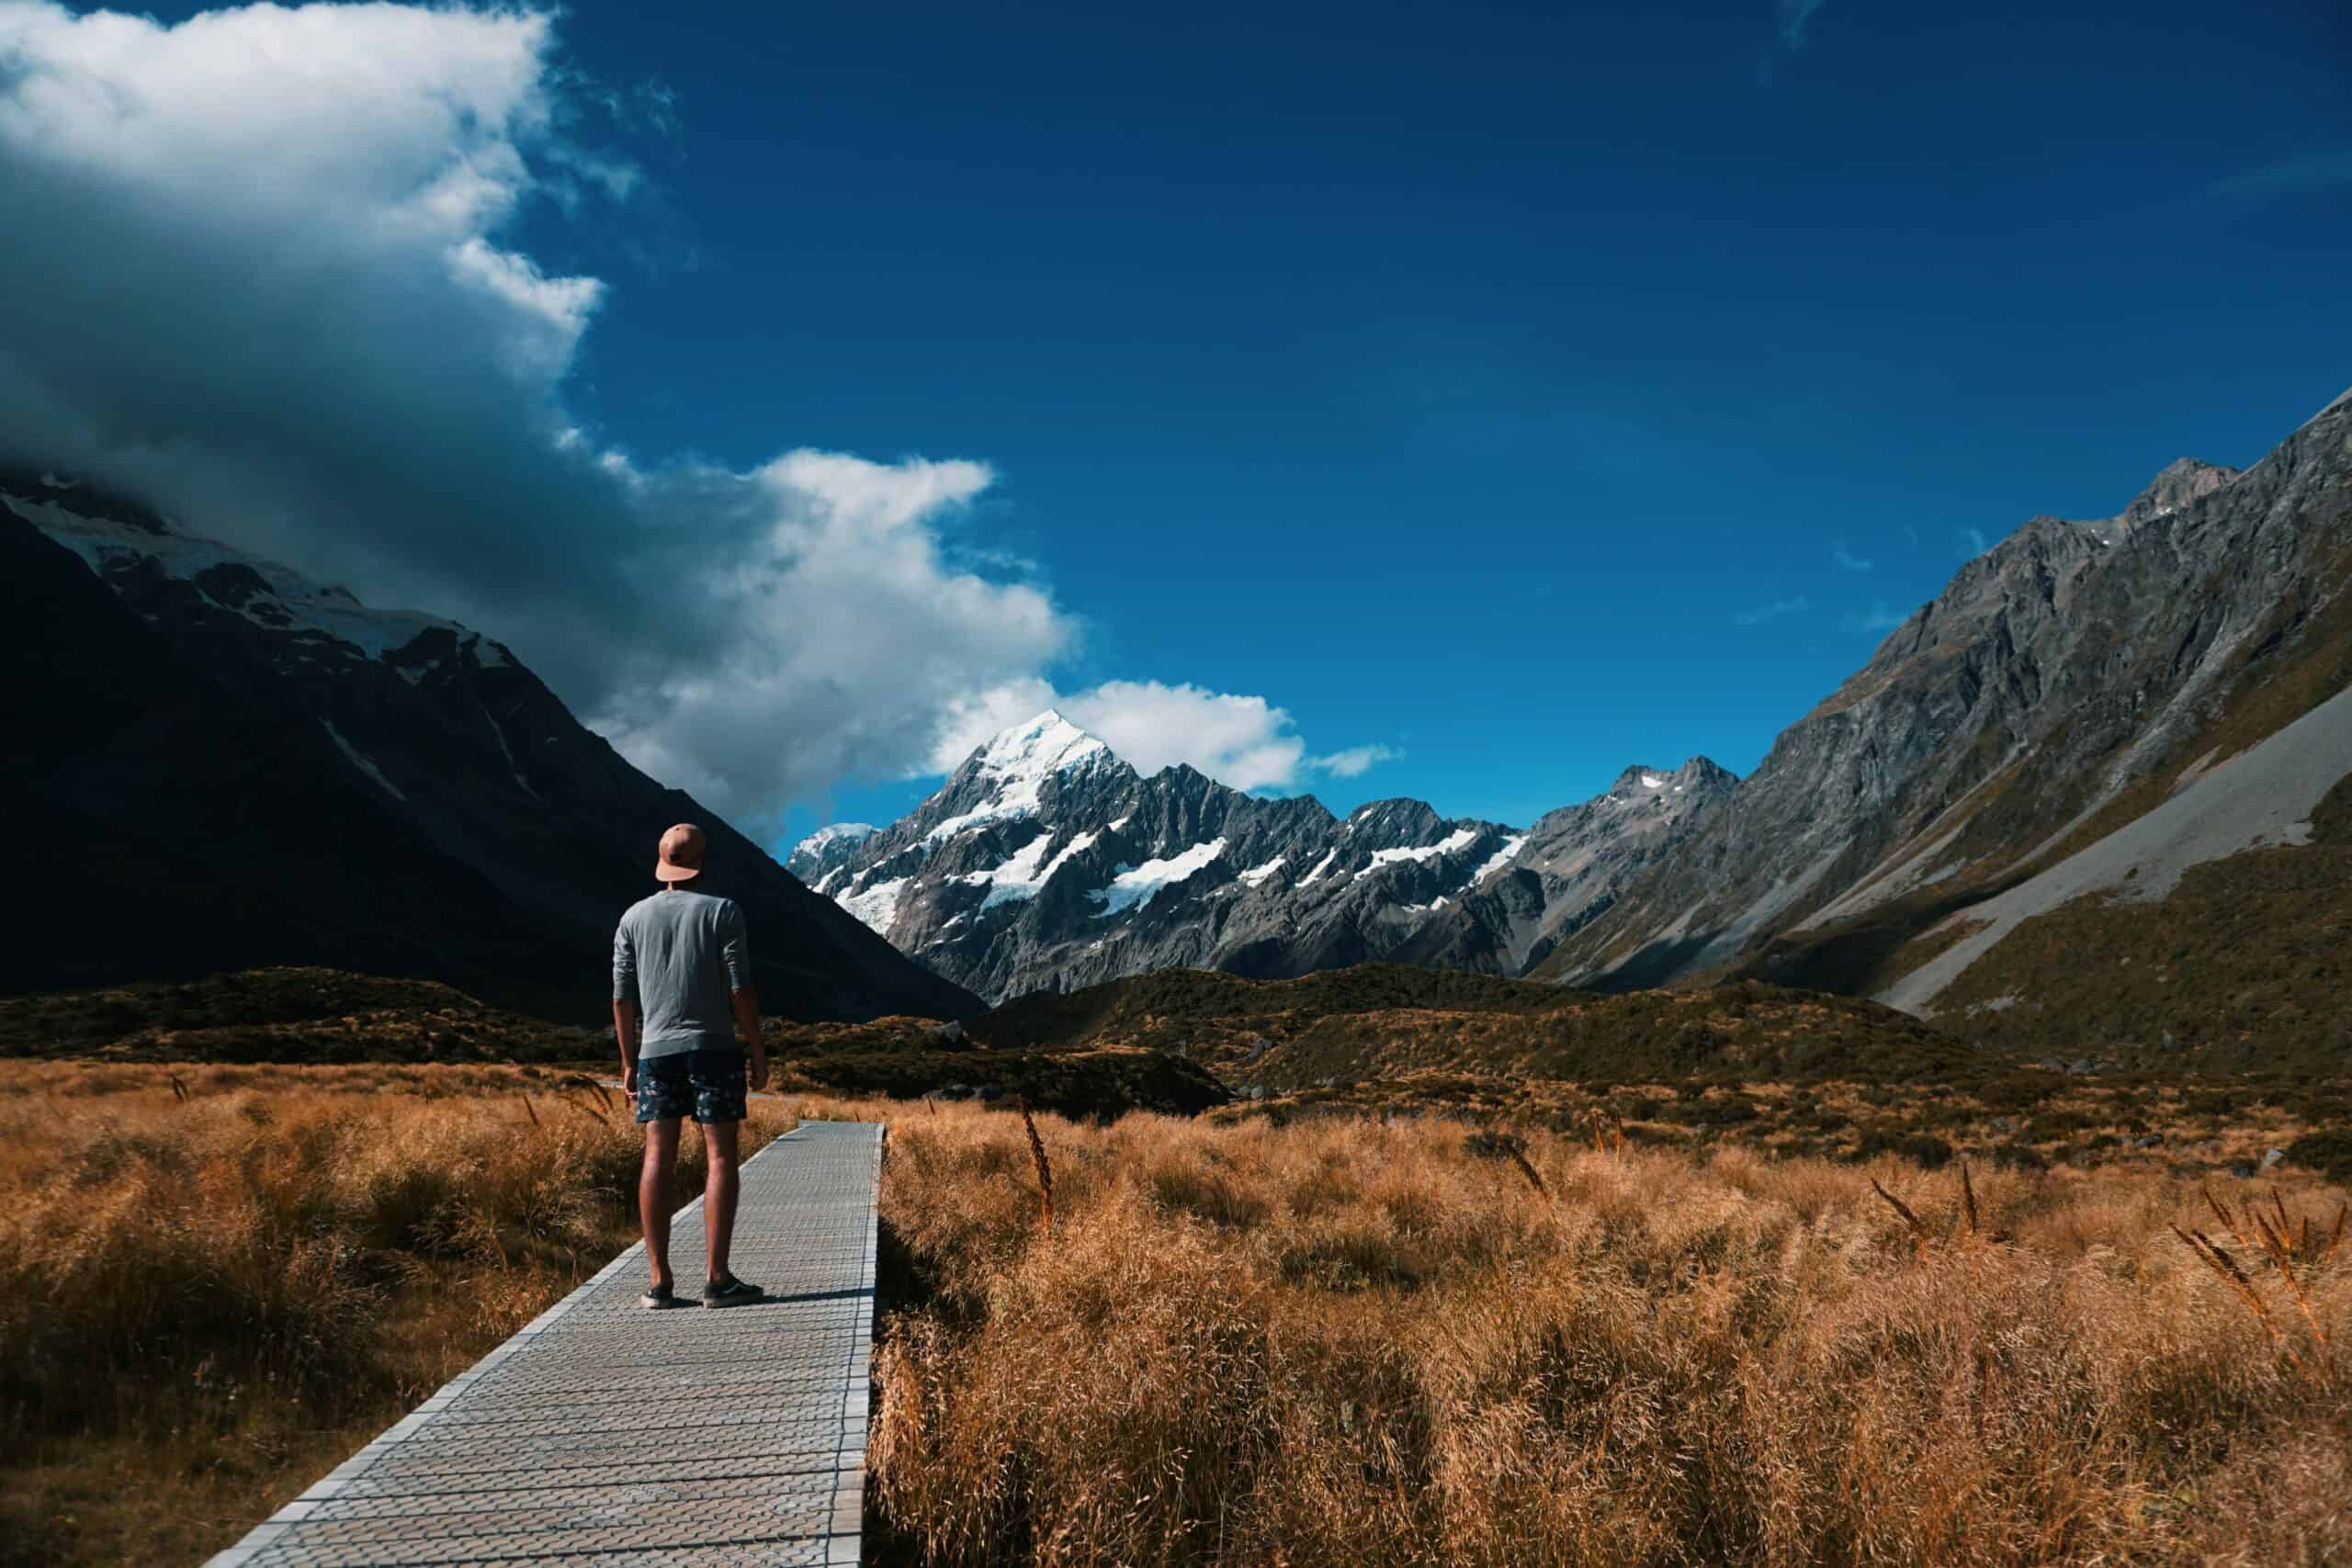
[
  {"x": 731, "y": 1292},
  {"x": 658, "y": 1296}
]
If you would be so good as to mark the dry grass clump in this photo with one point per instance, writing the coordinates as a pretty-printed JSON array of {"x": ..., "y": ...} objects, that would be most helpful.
[
  {"x": 216, "y": 1282},
  {"x": 1345, "y": 1342}
]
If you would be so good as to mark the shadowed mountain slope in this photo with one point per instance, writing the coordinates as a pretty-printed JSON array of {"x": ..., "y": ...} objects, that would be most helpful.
[{"x": 217, "y": 765}]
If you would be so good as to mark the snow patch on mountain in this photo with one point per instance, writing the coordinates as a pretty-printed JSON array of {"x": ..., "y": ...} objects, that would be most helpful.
[
  {"x": 876, "y": 907},
  {"x": 286, "y": 600},
  {"x": 1019, "y": 877},
  {"x": 1257, "y": 873},
  {"x": 1138, "y": 886},
  {"x": 1452, "y": 843},
  {"x": 1501, "y": 858},
  {"x": 361, "y": 761}
]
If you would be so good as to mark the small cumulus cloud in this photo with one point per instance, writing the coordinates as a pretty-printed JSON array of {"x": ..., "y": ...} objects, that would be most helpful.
[
  {"x": 1848, "y": 561},
  {"x": 1773, "y": 610}
]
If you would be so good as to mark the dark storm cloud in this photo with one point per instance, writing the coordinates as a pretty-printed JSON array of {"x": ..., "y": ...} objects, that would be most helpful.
[{"x": 254, "y": 271}]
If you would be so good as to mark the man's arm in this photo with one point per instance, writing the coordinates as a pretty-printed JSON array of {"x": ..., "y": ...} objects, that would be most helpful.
[
  {"x": 755, "y": 1044},
  {"x": 624, "y": 1030},
  {"x": 735, "y": 952},
  {"x": 625, "y": 1022}
]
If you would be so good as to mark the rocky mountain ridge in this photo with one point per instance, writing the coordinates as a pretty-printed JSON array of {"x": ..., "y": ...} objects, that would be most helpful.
[
  {"x": 1047, "y": 862},
  {"x": 2064, "y": 685},
  {"x": 235, "y": 767}
]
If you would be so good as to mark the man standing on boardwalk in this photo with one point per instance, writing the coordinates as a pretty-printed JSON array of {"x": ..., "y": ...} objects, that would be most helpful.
[{"x": 682, "y": 987}]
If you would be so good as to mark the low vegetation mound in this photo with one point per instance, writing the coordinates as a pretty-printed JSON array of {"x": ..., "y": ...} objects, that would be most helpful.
[
  {"x": 2242, "y": 966},
  {"x": 1384, "y": 1019},
  {"x": 1167, "y": 1000},
  {"x": 908, "y": 1058},
  {"x": 281, "y": 1015},
  {"x": 324, "y": 1016}
]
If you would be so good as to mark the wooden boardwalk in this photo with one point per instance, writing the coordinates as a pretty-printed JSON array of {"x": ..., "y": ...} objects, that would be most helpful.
[{"x": 606, "y": 1433}]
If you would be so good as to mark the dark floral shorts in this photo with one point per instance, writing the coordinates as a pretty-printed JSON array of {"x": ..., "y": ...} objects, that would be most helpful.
[{"x": 707, "y": 1085}]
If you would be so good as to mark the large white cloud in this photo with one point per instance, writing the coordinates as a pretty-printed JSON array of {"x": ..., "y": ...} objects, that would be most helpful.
[
  {"x": 253, "y": 267},
  {"x": 848, "y": 640},
  {"x": 261, "y": 265},
  {"x": 1244, "y": 741}
]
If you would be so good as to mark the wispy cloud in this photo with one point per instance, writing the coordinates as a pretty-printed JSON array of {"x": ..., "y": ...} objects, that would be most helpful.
[
  {"x": 1975, "y": 539},
  {"x": 1877, "y": 618},
  {"x": 1795, "y": 15},
  {"x": 1846, "y": 561},
  {"x": 1352, "y": 762},
  {"x": 1773, "y": 610},
  {"x": 2313, "y": 171}
]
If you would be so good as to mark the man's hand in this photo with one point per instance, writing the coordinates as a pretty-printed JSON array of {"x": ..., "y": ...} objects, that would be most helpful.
[
  {"x": 625, "y": 1027},
  {"x": 755, "y": 1041}
]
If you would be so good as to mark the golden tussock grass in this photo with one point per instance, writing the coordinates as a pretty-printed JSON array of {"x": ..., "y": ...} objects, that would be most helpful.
[
  {"x": 216, "y": 1282},
  {"x": 1339, "y": 1341},
  {"x": 1355, "y": 1343}
]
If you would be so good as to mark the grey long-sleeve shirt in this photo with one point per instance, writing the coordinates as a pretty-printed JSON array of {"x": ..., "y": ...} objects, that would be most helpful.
[{"x": 680, "y": 956}]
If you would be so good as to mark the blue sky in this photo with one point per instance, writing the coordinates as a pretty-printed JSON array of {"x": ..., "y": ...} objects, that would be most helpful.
[
  {"x": 1461, "y": 384},
  {"x": 1528, "y": 390}
]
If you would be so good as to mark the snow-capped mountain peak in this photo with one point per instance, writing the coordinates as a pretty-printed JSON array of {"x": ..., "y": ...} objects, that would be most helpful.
[
  {"x": 1010, "y": 776},
  {"x": 1047, "y": 863},
  {"x": 1046, "y": 744},
  {"x": 835, "y": 833}
]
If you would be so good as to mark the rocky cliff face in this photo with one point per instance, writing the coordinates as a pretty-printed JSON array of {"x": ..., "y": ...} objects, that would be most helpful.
[
  {"x": 1046, "y": 864},
  {"x": 1569, "y": 869},
  {"x": 2062, "y": 684},
  {"x": 241, "y": 767}
]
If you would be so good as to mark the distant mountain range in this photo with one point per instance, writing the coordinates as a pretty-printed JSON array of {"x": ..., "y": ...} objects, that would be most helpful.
[
  {"x": 214, "y": 763},
  {"x": 1046, "y": 864},
  {"x": 2095, "y": 792},
  {"x": 2090, "y": 715}
]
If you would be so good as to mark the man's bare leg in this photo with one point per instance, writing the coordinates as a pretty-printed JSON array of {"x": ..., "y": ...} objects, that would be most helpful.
[
  {"x": 653, "y": 1204},
  {"x": 721, "y": 1184}
]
